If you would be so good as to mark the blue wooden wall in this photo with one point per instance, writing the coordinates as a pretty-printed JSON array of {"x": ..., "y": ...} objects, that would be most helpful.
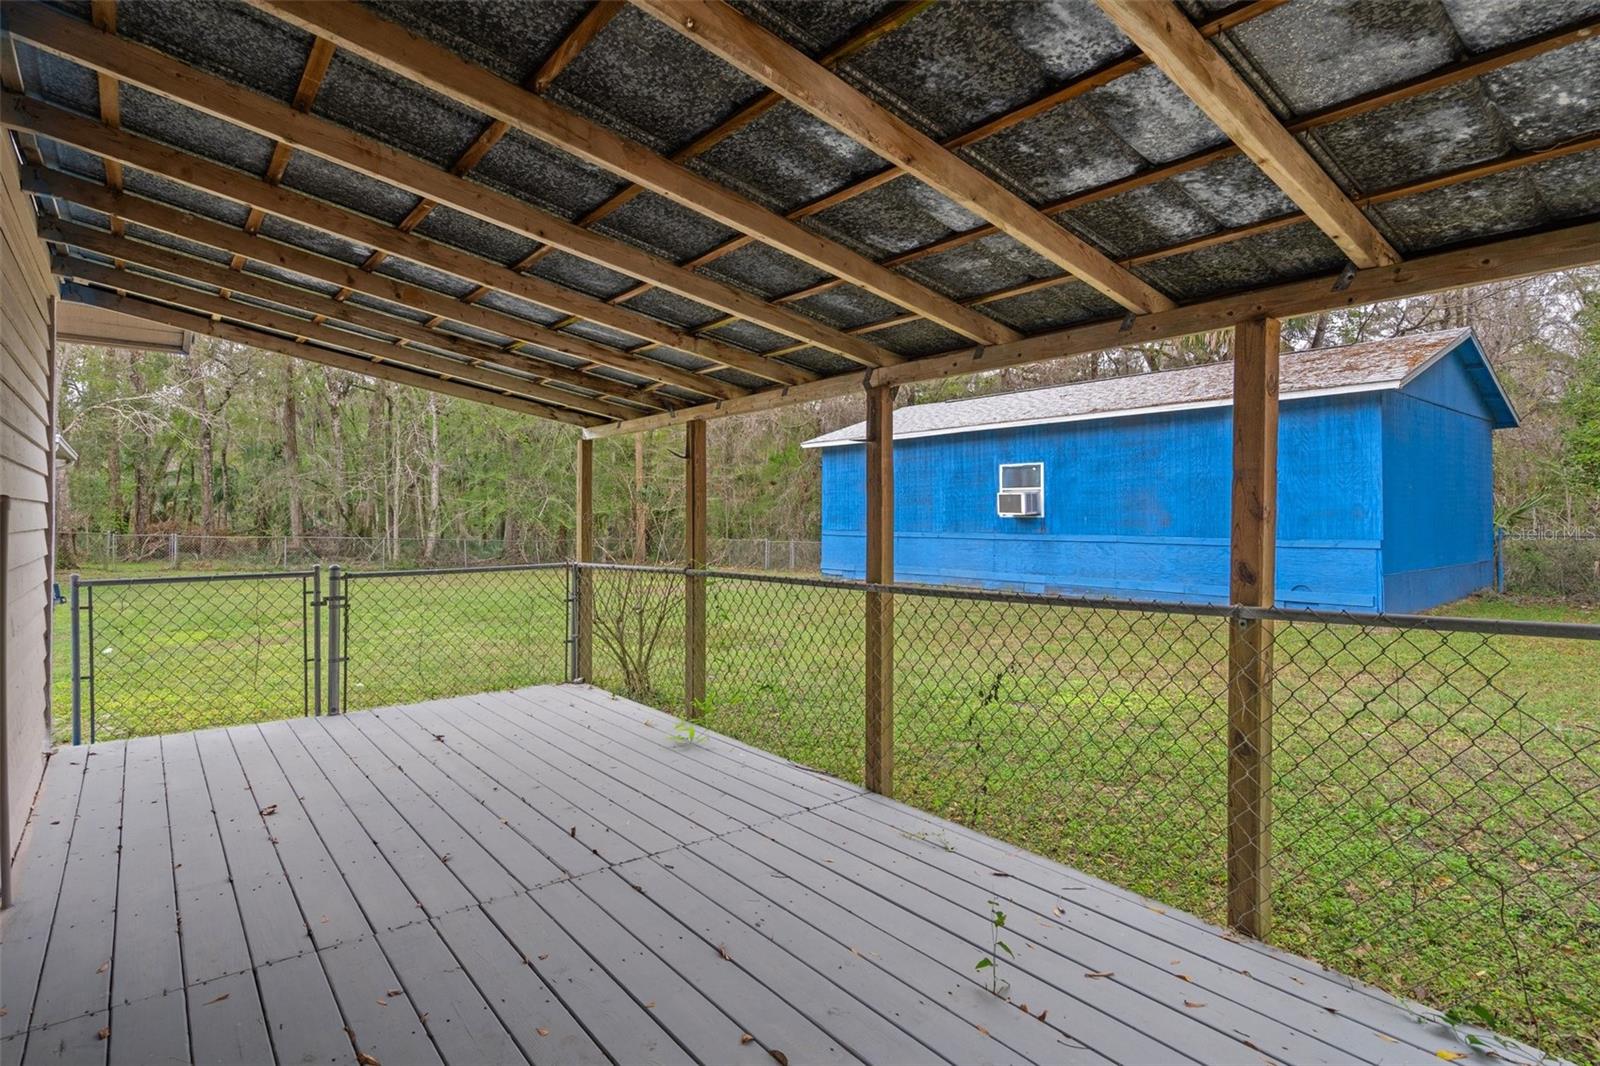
[
  {"x": 1139, "y": 507},
  {"x": 1438, "y": 540}
]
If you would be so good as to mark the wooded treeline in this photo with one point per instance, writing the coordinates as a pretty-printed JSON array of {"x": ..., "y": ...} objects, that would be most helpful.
[{"x": 230, "y": 439}]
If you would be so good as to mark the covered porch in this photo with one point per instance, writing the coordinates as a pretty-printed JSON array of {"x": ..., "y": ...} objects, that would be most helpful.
[{"x": 559, "y": 875}]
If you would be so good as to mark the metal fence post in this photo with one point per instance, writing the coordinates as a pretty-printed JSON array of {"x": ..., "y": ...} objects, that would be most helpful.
[
  {"x": 77, "y": 668},
  {"x": 335, "y": 603},
  {"x": 172, "y": 549},
  {"x": 316, "y": 639}
]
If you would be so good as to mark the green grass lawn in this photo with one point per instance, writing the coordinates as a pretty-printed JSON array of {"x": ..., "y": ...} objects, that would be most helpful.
[{"x": 1436, "y": 796}]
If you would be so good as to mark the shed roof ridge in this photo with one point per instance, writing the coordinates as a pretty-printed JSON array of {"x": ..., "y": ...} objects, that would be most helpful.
[{"x": 1381, "y": 363}]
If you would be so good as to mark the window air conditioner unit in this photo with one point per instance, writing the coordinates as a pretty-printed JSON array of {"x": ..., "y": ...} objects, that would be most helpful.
[{"x": 1021, "y": 492}]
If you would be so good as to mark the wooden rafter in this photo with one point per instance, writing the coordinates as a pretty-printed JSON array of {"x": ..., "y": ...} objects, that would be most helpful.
[
  {"x": 588, "y": 27},
  {"x": 296, "y": 349},
  {"x": 1451, "y": 74},
  {"x": 39, "y": 117},
  {"x": 358, "y": 30},
  {"x": 1164, "y": 33},
  {"x": 535, "y": 337},
  {"x": 324, "y": 309},
  {"x": 897, "y": 15},
  {"x": 1471, "y": 172},
  {"x": 1103, "y": 75},
  {"x": 104, "y": 15},
  {"x": 1515, "y": 257},
  {"x": 768, "y": 58},
  {"x": 305, "y": 330},
  {"x": 156, "y": 72}
]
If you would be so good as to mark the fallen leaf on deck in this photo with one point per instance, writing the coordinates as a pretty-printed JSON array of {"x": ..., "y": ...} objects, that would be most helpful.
[
  {"x": 745, "y": 1038},
  {"x": 1192, "y": 1005},
  {"x": 103, "y": 967},
  {"x": 1057, "y": 911},
  {"x": 981, "y": 1029},
  {"x": 722, "y": 949},
  {"x": 367, "y": 1060},
  {"x": 543, "y": 955},
  {"x": 542, "y": 1031},
  {"x": 271, "y": 808},
  {"x": 778, "y": 1056},
  {"x": 1042, "y": 1014},
  {"x": 1100, "y": 973},
  {"x": 1184, "y": 977},
  {"x": 1386, "y": 1038},
  {"x": 219, "y": 999},
  {"x": 439, "y": 737},
  {"x": 397, "y": 992},
  {"x": 1450, "y": 1056},
  {"x": 651, "y": 1005},
  {"x": 104, "y": 1034},
  {"x": 383, "y": 1003}
]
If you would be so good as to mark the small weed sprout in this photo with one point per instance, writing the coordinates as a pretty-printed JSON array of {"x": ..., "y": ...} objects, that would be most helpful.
[
  {"x": 991, "y": 961},
  {"x": 937, "y": 839},
  {"x": 686, "y": 733}
]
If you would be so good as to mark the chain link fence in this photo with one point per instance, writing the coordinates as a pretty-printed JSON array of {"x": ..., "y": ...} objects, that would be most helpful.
[
  {"x": 1434, "y": 783},
  {"x": 163, "y": 654}
]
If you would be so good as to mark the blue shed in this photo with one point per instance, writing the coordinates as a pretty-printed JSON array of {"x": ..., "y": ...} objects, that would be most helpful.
[{"x": 1120, "y": 487}]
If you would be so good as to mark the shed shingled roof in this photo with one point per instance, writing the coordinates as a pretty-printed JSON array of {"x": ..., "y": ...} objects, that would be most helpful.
[
  {"x": 1391, "y": 363},
  {"x": 1124, "y": 160}
]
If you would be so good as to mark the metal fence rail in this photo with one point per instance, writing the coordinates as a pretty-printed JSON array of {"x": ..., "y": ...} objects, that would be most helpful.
[{"x": 1434, "y": 818}]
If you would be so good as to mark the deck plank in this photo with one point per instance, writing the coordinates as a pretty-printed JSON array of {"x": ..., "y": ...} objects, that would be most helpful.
[
  {"x": 627, "y": 1030},
  {"x": 526, "y": 863},
  {"x": 694, "y": 769},
  {"x": 853, "y": 1024},
  {"x": 275, "y": 928},
  {"x": 436, "y": 887},
  {"x": 1304, "y": 984},
  {"x": 600, "y": 823},
  {"x": 25, "y": 926},
  {"x": 524, "y": 804},
  {"x": 517, "y": 992},
  {"x": 377, "y": 887},
  {"x": 446, "y": 841},
  {"x": 558, "y": 879},
  {"x": 695, "y": 1022},
  {"x": 329, "y": 907},
  {"x": 76, "y": 979},
  {"x": 629, "y": 801},
  {"x": 147, "y": 902}
]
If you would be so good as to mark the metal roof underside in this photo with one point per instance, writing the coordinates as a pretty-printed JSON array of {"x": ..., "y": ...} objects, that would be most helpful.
[
  {"x": 1391, "y": 363},
  {"x": 947, "y": 69}
]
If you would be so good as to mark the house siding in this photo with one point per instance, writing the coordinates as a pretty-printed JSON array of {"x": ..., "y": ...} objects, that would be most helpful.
[{"x": 25, "y": 464}]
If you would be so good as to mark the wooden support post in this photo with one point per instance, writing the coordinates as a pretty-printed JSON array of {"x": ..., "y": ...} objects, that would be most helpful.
[
  {"x": 694, "y": 556},
  {"x": 583, "y": 580},
  {"x": 880, "y": 605},
  {"x": 1250, "y": 584}
]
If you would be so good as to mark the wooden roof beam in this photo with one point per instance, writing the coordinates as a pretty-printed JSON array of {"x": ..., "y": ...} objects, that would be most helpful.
[
  {"x": 587, "y": 29},
  {"x": 301, "y": 329},
  {"x": 358, "y": 30},
  {"x": 295, "y": 349},
  {"x": 326, "y": 309},
  {"x": 1164, "y": 33},
  {"x": 443, "y": 307},
  {"x": 1538, "y": 253},
  {"x": 769, "y": 59},
  {"x": 157, "y": 72},
  {"x": 36, "y": 116}
]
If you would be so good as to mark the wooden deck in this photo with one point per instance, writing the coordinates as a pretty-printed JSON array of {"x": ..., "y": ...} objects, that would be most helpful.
[{"x": 549, "y": 876}]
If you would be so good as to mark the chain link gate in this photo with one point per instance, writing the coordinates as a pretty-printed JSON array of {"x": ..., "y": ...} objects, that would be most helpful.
[{"x": 155, "y": 655}]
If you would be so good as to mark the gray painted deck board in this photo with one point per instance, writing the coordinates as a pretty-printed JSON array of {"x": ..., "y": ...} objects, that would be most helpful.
[
  {"x": 561, "y": 880},
  {"x": 42, "y": 860}
]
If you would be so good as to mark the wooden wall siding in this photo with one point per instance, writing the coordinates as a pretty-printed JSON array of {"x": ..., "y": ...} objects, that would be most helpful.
[
  {"x": 1138, "y": 507},
  {"x": 25, "y": 431}
]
